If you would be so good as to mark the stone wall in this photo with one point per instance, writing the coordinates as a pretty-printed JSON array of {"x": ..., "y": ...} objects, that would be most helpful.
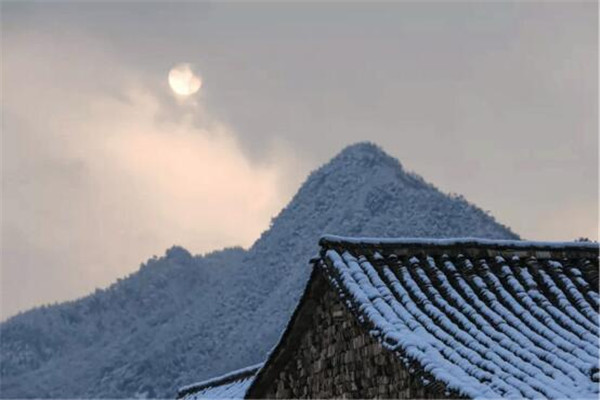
[{"x": 336, "y": 357}]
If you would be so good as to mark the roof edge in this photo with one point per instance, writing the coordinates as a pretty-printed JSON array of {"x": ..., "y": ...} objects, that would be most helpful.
[
  {"x": 496, "y": 244},
  {"x": 219, "y": 380}
]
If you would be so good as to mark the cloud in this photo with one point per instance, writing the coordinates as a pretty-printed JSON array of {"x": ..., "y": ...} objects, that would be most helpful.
[{"x": 103, "y": 167}]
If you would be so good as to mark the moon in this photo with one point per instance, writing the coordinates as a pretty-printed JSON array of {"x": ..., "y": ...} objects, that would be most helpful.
[{"x": 183, "y": 81}]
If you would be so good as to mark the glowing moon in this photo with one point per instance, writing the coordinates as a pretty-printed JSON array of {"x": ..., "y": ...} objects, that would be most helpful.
[{"x": 183, "y": 81}]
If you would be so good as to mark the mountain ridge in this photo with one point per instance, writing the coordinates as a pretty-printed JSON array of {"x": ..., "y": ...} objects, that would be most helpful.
[{"x": 183, "y": 318}]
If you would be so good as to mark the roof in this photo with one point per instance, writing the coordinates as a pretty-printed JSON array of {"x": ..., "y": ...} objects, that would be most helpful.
[
  {"x": 232, "y": 385},
  {"x": 461, "y": 243},
  {"x": 487, "y": 318}
]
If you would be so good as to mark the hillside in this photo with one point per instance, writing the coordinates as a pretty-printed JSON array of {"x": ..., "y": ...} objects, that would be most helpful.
[{"x": 183, "y": 318}]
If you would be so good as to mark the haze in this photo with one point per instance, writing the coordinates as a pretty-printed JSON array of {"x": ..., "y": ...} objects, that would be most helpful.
[{"x": 102, "y": 166}]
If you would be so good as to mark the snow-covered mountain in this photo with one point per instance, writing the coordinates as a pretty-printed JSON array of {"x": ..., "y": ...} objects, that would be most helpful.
[{"x": 183, "y": 318}]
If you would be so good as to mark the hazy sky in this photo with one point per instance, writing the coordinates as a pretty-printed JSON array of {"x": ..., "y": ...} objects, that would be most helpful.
[{"x": 103, "y": 166}]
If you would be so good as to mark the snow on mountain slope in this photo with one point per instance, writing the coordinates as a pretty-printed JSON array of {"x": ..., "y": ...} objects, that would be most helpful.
[
  {"x": 124, "y": 340},
  {"x": 181, "y": 319}
]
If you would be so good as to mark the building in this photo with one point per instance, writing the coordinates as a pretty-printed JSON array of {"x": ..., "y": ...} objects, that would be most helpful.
[{"x": 424, "y": 318}]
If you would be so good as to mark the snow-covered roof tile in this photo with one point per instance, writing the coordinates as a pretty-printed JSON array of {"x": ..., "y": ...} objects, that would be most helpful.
[
  {"x": 487, "y": 318},
  {"x": 232, "y": 385}
]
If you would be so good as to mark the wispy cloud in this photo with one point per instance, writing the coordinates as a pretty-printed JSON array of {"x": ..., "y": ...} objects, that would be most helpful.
[{"x": 98, "y": 178}]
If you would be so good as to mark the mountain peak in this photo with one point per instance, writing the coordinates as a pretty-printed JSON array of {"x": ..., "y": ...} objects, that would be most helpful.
[
  {"x": 178, "y": 255},
  {"x": 367, "y": 154},
  {"x": 365, "y": 147}
]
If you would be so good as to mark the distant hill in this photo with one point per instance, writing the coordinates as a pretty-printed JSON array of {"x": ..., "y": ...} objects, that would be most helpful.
[{"x": 184, "y": 318}]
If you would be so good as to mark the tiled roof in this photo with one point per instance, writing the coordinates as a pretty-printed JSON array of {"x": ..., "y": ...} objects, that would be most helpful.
[
  {"x": 486, "y": 318},
  {"x": 230, "y": 386}
]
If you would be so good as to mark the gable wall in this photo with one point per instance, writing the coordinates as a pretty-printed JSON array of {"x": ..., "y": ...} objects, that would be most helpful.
[{"x": 337, "y": 358}]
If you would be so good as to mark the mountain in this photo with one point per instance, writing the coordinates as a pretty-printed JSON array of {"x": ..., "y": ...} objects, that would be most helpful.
[{"x": 183, "y": 318}]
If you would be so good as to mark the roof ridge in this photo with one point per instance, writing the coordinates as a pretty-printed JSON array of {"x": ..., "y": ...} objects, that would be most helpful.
[{"x": 333, "y": 240}]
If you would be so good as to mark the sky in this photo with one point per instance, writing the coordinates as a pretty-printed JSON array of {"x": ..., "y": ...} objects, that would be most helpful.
[{"x": 103, "y": 165}]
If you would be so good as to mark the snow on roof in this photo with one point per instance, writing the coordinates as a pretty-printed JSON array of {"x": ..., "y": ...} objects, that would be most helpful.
[
  {"x": 232, "y": 385},
  {"x": 459, "y": 242},
  {"x": 503, "y": 319}
]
